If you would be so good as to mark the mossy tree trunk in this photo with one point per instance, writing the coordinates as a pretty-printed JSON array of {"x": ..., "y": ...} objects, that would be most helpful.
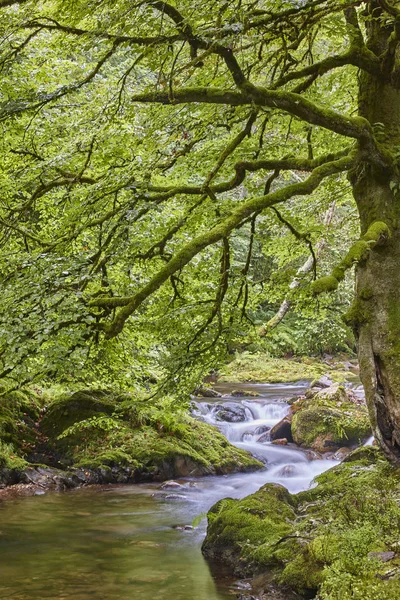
[{"x": 376, "y": 311}]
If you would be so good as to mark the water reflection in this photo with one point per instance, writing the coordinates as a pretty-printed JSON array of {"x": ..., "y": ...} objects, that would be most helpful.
[{"x": 116, "y": 544}]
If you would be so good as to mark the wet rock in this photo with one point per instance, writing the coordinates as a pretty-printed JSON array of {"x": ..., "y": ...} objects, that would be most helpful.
[
  {"x": 312, "y": 455},
  {"x": 244, "y": 394},
  {"x": 261, "y": 429},
  {"x": 49, "y": 478},
  {"x": 175, "y": 497},
  {"x": 280, "y": 442},
  {"x": 341, "y": 453},
  {"x": 287, "y": 471},
  {"x": 206, "y": 392},
  {"x": 247, "y": 436},
  {"x": 230, "y": 412},
  {"x": 283, "y": 429},
  {"x": 322, "y": 382},
  {"x": 265, "y": 437},
  {"x": 171, "y": 485},
  {"x": 293, "y": 399},
  {"x": 147, "y": 544}
]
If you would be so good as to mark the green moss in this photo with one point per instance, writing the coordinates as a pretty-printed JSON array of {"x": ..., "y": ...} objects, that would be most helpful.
[
  {"x": 201, "y": 449},
  {"x": 69, "y": 408},
  {"x": 324, "y": 284},
  {"x": 250, "y": 528},
  {"x": 329, "y": 419},
  {"x": 99, "y": 429},
  {"x": 339, "y": 273},
  {"x": 365, "y": 293},
  {"x": 358, "y": 313},
  {"x": 357, "y": 253},
  {"x": 9, "y": 458},
  {"x": 330, "y": 532},
  {"x": 377, "y": 234},
  {"x": 262, "y": 368}
]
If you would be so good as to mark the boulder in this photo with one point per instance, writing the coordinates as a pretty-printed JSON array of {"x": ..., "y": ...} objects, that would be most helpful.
[
  {"x": 322, "y": 383},
  {"x": 339, "y": 536},
  {"x": 236, "y": 528},
  {"x": 280, "y": 442},
  {"x": 330, "y": 421},
  {"x": 313, "y": 455},
  {"x": 341, "y": 453},
  {"x": 230, "y": 412},
  {"x": 332, "y": 394},
  {"x": 261, "y": 429},
  {"x": 283, "y": 429},
  {"x": 206, "y": 392}
]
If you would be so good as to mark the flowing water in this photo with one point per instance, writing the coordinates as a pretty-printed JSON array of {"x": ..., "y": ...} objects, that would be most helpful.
[{"x": 130, "y": 542}]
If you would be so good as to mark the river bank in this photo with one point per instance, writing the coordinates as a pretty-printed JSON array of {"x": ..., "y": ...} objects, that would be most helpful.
[
  {"x": 64, "y": 439},
  {"x": 119, "y": 541},
  {"x": 133, "y": 531}
]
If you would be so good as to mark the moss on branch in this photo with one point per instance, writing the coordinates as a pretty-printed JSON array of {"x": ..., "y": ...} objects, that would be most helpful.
[
  {"x": 214, "y": 235},
  {"x": 377, "y": 234},
  {"x": 294, "y": 104}
]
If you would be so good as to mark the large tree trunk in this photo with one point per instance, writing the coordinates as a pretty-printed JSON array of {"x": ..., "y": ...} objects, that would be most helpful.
[
  {"x": 375, "y": 314},
  {"x": 376, "y": 317}
]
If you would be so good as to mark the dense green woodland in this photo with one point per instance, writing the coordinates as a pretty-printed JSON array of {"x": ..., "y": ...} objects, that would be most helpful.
[
  {"x": 184, "y": 183},
  {"x": 180, "y": 180}
]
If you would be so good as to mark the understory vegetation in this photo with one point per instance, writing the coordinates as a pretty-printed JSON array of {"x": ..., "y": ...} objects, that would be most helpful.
[{"x": 102, "y": 431}]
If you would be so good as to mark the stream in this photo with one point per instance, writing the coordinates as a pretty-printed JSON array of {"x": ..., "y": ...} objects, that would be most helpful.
[{"x": 130, "y": 542}]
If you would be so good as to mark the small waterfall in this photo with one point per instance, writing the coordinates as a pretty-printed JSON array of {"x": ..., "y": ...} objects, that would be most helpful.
[{"x": 246, "y": 422}]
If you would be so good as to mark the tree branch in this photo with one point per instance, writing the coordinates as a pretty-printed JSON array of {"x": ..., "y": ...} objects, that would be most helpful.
[
  {"x": 294, "y": 104},
  {"x": 130, "y": 304}
]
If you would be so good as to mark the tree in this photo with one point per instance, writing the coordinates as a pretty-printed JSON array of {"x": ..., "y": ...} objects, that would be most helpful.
[{"x": 140, "y": 137}]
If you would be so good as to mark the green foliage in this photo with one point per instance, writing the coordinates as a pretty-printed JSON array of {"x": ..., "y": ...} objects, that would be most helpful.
[{"x": 101, "y": 193}]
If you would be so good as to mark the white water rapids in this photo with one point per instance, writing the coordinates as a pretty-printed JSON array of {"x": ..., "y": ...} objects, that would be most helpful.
[{"x": 288, "y": 465}]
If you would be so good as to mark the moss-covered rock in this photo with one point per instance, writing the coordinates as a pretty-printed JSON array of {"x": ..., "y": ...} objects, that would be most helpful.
[
  {"x": 69, "y": 408},
  {"x": 99, "y": 430},
  {"x": 106, "y": 437},
  {"x": 324, "y": 542},
  {"x": 329, "y": 420},
  {"x": 244, "y": 533}
]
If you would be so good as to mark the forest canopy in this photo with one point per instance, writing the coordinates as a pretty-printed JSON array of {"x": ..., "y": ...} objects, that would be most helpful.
[
  {"x": 176, "y": 177},
  {"x": 166, "y": 170}
]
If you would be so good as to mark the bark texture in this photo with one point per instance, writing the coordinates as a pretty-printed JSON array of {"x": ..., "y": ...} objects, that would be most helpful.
[{"x": 375, "y": 314}]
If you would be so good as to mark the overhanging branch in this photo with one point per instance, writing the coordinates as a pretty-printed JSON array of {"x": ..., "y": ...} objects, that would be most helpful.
[{"x": 222, "y": 230}]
